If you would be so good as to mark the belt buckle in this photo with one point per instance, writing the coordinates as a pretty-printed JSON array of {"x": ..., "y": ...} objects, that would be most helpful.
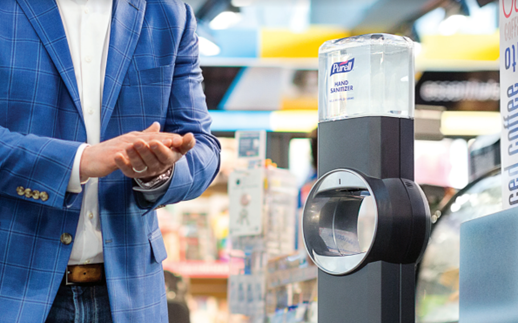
[{"x": 67, "y": 283}]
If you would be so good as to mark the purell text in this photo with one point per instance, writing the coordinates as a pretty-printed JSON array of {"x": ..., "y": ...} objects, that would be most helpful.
[{"x": 342, "y": 67}]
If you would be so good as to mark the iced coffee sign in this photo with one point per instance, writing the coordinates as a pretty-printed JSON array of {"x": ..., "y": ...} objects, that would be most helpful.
[{"x": 509, "y": 100}]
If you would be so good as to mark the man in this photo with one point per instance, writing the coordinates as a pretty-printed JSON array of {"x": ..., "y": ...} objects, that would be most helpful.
[{"x": 80, "y": 80}]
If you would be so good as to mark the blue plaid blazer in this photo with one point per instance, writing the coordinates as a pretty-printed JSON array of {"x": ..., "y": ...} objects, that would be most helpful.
[{"x": 152, "y": 74}]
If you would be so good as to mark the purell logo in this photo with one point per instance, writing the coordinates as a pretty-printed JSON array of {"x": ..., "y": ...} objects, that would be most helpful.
[{"x": 342, "y": 67}]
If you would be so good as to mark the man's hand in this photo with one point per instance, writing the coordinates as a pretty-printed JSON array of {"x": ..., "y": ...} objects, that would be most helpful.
[
  {"x": 100, "y": 160},
  {"x": 149, "y": 159}
]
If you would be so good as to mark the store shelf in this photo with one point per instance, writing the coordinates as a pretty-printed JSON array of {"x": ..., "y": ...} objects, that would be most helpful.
[
  {"x": 199, "y": 269},
  {"x": 289, "y": 276},
  {"x": 214, "y": 287}
]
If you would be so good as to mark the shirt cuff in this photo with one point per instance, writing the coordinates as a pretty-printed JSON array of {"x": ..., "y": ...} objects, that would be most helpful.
[
  {"x": 158, "y": 190},
  {"x": 74, "y": 184}
]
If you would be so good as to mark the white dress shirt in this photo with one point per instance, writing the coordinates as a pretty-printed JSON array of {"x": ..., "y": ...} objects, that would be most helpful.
[
  {"x": 84, "y": 21},
  {"x": 87, "y": 27}
]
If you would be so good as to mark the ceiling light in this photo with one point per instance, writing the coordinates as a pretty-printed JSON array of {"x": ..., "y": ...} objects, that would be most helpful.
[
  {"x": 241, "y": 3},
  {"x": 294, "y": 121},
  {"x": 470, "y": 123},
  {"x": 300, "y": 16},
  {"x": 225, "y": 19},
  {"x": 452, "y": 25},
  {"x": 208, "y": 48},
  {"x": 418, "y": 48}
]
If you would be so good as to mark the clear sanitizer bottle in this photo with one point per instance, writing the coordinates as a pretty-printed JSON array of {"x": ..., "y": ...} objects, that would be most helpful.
[{"x": 368, "y": 75}]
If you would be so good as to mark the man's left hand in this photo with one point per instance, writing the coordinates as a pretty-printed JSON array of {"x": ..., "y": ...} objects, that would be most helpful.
[{"x": 147, "y": 160}]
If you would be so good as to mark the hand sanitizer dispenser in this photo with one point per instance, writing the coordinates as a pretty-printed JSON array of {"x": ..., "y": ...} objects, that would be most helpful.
[{"x": 366, "y": 223}]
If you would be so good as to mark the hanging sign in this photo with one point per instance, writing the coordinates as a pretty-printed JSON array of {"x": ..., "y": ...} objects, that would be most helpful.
[{"x": 459, "y": 91}]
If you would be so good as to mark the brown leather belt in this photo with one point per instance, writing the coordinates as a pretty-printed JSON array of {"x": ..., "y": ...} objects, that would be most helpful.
[{"x": 85, "y": 274}]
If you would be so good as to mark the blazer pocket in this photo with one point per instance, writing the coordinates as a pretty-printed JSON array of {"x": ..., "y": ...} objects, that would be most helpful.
[
  {"x": 157, "y": 245},
  {"x": 149, "y": 76}
]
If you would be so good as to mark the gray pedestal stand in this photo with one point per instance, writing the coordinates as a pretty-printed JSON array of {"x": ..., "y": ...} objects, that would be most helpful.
[{"x": 380, "y": 292}]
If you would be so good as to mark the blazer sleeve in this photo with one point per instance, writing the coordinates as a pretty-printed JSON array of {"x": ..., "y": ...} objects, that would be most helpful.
[
  {"x": 187, "y": 112},
  {"x": 38, "y": 167}
]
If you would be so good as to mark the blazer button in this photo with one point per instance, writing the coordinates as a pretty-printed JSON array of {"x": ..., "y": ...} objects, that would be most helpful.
[
  {"x": 66, "y": 238},
  {"x": 20, "y": 190},
  {"x": 44, "y": 196},
  {"x": 35, "y": 194},
  {"x": 28, "y": 192}
]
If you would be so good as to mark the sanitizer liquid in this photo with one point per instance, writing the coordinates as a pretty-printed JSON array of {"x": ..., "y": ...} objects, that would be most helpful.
[{"x": 368, "y": 75}]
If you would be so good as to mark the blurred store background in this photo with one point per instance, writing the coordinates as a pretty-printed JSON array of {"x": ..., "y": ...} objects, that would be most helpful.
[{"x": 259, "y": 60}]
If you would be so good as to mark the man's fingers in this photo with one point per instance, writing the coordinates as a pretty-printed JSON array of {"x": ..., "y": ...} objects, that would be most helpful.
[
  {"x": 135, "y": 160},
  {"x": 164, "y": 154},
  {"x": 187, "y": 144},
  {"x": 124, "y": 165},
  {"x": 155, "y": 127},
  {"x": 148, "y": 156},
  {"x": 168, "y": 139},
  {"x": 167, "y": 142},
  {"x": 176, "y": 141}
]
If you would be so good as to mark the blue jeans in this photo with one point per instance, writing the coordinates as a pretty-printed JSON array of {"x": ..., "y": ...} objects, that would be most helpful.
[{"x": 81, "y": 304}]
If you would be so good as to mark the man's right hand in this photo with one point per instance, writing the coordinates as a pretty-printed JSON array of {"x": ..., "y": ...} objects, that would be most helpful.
[{"x": 99, "y": 160}]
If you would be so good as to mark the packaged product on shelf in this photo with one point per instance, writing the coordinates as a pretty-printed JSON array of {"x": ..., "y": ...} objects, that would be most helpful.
[{"x": 262, "y": 211}]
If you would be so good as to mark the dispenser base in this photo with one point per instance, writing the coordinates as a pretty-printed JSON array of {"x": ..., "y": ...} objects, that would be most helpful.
[
  {"x": 381, "y": 147},
  {"x": 380, "y": 292}
]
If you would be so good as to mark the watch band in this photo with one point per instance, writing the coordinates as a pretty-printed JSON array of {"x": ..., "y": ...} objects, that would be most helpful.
[{"x": 155, "y": 182}]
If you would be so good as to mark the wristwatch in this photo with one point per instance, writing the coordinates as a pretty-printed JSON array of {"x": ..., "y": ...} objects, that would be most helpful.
[{"x": 155, "y": 182}]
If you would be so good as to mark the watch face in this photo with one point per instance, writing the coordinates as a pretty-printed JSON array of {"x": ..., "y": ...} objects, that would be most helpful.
[{"x": 339, "y": 222}]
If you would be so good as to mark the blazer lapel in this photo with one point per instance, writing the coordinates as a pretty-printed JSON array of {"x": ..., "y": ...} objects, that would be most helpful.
[
  {"x": 128, "y": 17},
  {"x": 46, "y": 20}
]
